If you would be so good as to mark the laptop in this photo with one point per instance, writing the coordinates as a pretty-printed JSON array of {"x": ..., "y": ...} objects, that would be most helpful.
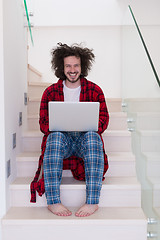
[{"x": 73, "y": 116}]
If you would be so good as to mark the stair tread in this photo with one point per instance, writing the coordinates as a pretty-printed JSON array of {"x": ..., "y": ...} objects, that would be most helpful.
[
  {"x": 108, "y": 215},
  {"x": 155, "y": 181},
  {"x": 150, "y": 133},
  {"x": 71, "y": 183},
  {"x": 111, "y": 114},
  {"x": 152, "y": 155},
  {"x": 113, "y": 156},
  {"x": 111, "y": 133},
  {"x": 30, "y": 67},
  {"x": 109, "y": 100},
  {"x": 157, "y": 210},
  {"x": 39, "y": 84},
  {"x": 152, "y": 114}
]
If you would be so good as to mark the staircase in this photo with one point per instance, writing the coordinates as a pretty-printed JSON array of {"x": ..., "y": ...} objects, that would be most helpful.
[
  {"x": 119, "y": 217},
  {"x": 144, "y": 121}
]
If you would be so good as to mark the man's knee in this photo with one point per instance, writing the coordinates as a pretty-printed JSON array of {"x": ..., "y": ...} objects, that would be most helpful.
[
  {"x": 55, "y": 135},
  {"x": 56, "y": 138},
  {"x": 92, "y": 136}
]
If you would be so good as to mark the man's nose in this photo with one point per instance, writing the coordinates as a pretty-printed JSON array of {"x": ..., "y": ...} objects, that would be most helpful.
[{"x": 72, "y": 69}]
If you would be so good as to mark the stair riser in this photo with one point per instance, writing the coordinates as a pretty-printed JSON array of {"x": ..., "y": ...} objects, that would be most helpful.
[
  {"x": 114, "y": 106},
  {"x": 76, "y": 197},
  {"x": 151, "y": 123},
  {"x": 119, "y": 231},
  {"x": 36, "y": 91},
  {"x": 28, "y": 169},
  {"x": 112, "y": 144},
  {"x": 116, "y": 123},
  {"x": 31, "y": 144},
  {"x": 153, "y": 169},
  {"x": 143, "y": 106},
  {"x": 156, "y": 197},
  {"x": 146, "y": 122},
  {"x": 117, "y": 144},
  {"x": 150, "y": 143},
  {"x": 33, "y": 77},
  {"x": 33, "y": 107}
]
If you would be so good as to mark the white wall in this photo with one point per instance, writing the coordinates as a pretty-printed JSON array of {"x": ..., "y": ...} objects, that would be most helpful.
[
  {"x": 71, "y": 13},
  {"x": 139, "y": 80},
  {"x": 105, "y": 40},
  {"x": 14, "y": 59},
  {"x": 100, "y": 25},
  {"x": 91, "y": 13},
  {"x": 121, "y": 67},
  {"x": 2, "y": 124}
]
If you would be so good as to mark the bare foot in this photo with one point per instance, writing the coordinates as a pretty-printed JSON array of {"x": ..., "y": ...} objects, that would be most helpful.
[
  {"x": 59, "y": 209},
  {"x": 86, "y": 210}
]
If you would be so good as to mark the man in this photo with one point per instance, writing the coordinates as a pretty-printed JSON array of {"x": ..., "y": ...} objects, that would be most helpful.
[{"x": 82, "y": 152}]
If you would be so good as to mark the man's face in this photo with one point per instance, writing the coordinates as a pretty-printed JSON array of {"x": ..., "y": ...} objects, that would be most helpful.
[{"x": 72, "y": 68}]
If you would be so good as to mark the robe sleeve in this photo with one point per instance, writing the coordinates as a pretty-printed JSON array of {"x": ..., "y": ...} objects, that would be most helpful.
[{"x": 103, "y": 113}]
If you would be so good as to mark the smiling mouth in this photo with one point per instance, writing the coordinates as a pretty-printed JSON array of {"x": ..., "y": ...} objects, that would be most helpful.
[
  {"x": 73, "y": 77},
  {"x": 72, "y": 74}
]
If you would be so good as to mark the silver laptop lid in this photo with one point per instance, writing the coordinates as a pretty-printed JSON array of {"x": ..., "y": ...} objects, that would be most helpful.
[{"x": 73, "y": 116}]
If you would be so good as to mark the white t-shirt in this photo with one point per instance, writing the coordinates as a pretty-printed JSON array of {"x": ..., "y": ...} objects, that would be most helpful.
[{"x": 71, "y": 94}]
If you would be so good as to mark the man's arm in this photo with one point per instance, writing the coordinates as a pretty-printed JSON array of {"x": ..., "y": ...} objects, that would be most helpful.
[
  {"x": 43, "y": 120},
  {"x": 103, "y": 114}
]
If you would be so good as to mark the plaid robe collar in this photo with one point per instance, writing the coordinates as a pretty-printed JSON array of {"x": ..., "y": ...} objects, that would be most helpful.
[{"x": 83, "y": 89}]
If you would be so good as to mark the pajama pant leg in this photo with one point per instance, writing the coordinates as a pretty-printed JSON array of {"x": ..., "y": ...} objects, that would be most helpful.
[
  {"x": 86, "y": 145},
  {"x": 92, "y": 151},
  {"x": 57, "y": 148}
]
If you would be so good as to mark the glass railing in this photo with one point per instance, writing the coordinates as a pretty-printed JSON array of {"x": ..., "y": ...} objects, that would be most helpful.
[{"x": 141, "y": 101}]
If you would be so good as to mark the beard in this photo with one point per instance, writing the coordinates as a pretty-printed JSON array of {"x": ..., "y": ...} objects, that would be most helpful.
[{"x": 73, "y": 80}]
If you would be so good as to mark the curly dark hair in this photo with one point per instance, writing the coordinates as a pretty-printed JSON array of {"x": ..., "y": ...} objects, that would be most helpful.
[{"x": 63, "y": 50}]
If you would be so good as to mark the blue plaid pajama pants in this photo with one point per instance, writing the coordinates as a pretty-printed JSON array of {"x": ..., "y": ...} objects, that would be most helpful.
[{"x": 86, "y": 145}]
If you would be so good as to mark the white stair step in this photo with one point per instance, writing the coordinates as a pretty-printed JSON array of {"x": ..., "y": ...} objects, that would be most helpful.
[
  {"x": 39, "y": 223},
  {"x": 157, "y": 210},
  {"x": 142, "y": 105},
  {"x": 118, "y": 141},
  {"x": 33, "y": 106},
  {"x": 150, "y": 141},
  {"x": 121, "y": 164},
  {"x": 155, "y": 181},
  {"x": 116, "y": 192},
  {"x": 33, "y": 122},
  {"x": 153, "y": 164},
  {"x": 148, "y": 121},
  {"x": 118, "y": 121},
  {"x": 33, "y": 74},
  {"x": 144, "y": 120},
  {"x": 36, "y": 89},
  {"x": 152, "y": 156},
  {"x": 114, "y": 105}
]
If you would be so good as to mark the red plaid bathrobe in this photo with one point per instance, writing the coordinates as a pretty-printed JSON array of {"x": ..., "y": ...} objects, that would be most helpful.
[{"x": 90, "y": 92}]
